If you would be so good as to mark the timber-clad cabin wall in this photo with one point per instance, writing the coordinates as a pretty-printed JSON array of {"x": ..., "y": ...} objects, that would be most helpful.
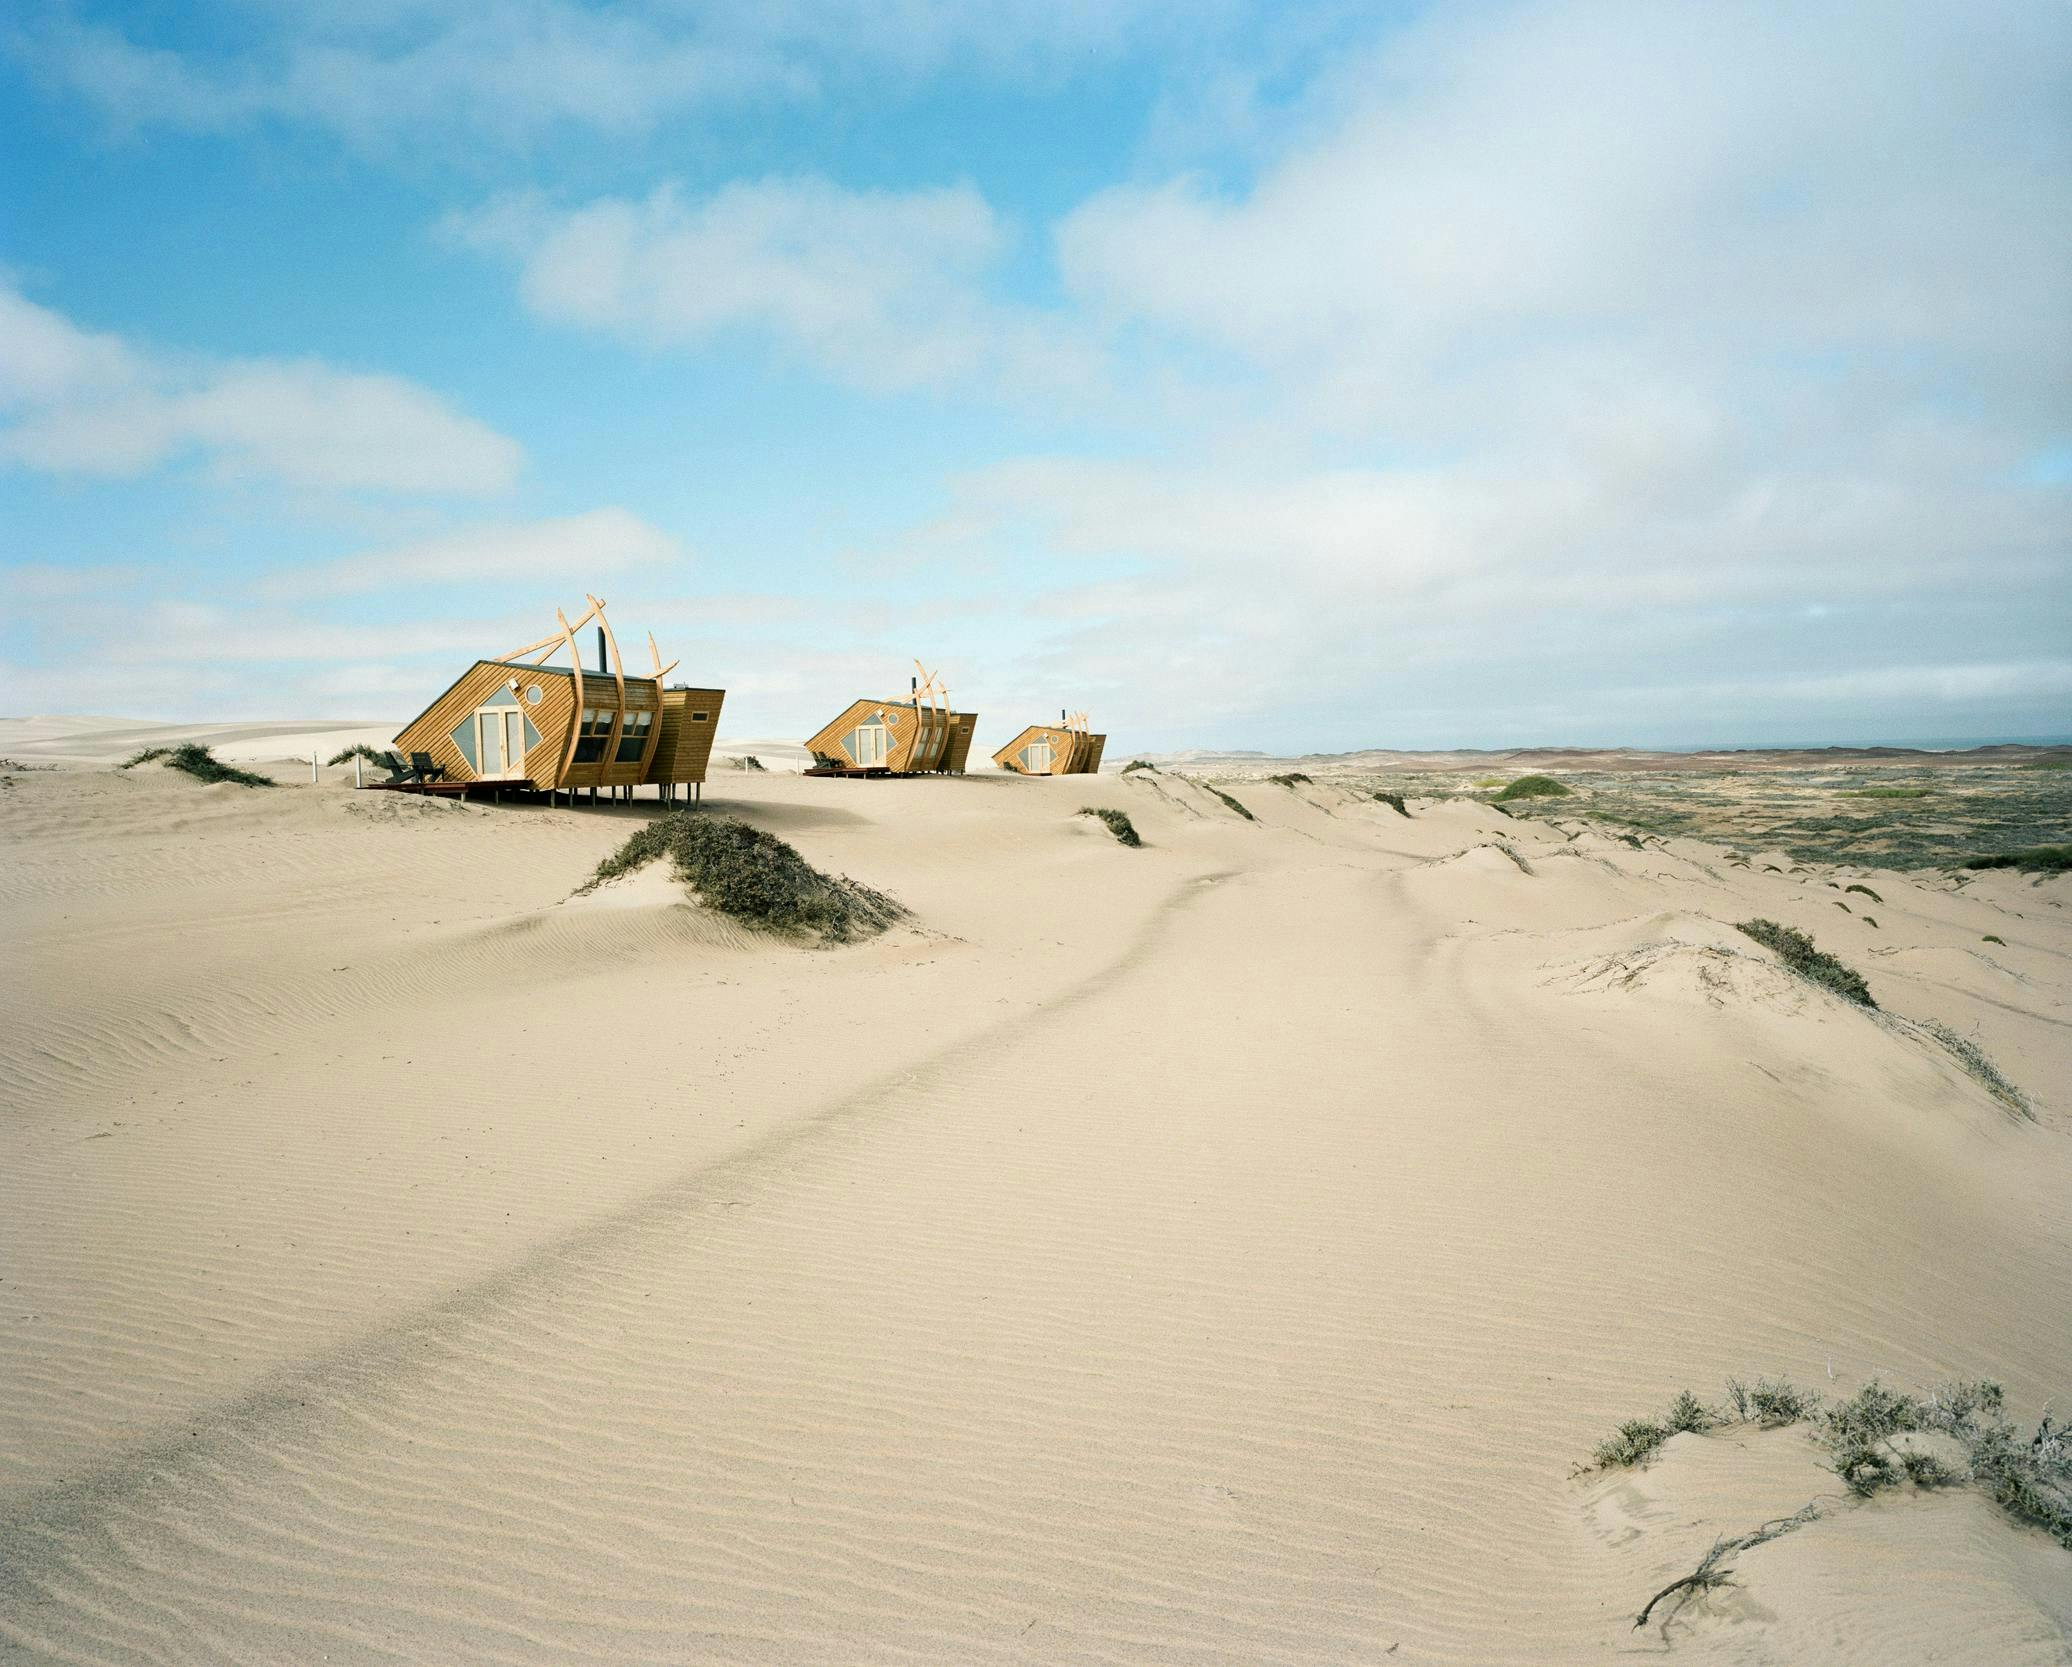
[
  {"x": 1052, "y": 750},
  {"x": 690, "y": 719},
  {"x": 572, "y": 728},
  {"x": 896, "y": 736},
  {"x": 960, "y": 742},
  {"x": 549, "y": 717}
]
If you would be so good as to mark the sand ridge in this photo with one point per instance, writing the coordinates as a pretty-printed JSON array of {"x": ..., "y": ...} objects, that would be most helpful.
[{"x": 1222, "y": 1251}]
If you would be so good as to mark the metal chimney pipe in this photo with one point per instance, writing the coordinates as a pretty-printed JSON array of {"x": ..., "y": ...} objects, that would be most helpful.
[{"x": 602, "y": 668}]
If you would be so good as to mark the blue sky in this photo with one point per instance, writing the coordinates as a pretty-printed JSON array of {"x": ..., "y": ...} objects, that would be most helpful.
[{"x": 1293, "y": 377}]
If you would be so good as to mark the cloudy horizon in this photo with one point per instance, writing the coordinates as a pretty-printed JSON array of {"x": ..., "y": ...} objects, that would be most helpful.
[{"x": 1301, "y": 378}]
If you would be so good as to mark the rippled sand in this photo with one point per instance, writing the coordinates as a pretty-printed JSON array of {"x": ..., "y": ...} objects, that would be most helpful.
[{"x": 1219, "y": 1252}]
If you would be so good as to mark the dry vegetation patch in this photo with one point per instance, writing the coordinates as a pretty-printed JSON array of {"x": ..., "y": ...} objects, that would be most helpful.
[
  {"x": 1816, "y": 966},
  {"x": 198, "y": 762},
  {"x": 2028, "y": 1475},
  {"x": 1118, "y": 824},
  {"x": 754, "y": 877}
]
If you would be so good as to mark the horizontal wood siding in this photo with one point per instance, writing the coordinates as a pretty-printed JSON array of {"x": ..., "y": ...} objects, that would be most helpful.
[
  {"x": 900, "y": 718},
  {"x": 432, "y": 730},
  {"x": 961, "y": 727},
  {"x": 1072, "y": 753},
  {"x": 1059, "y": 743},
  {"x": 684, "y": 747}
]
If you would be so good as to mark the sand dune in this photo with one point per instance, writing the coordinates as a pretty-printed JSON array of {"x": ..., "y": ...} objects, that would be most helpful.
[{"x": 1224, "y": 1251}]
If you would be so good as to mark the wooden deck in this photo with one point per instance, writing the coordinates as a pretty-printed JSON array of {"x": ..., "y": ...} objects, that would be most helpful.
[
  {"x": 448, "y": 788},
  {"x": 665, "y": 792}
]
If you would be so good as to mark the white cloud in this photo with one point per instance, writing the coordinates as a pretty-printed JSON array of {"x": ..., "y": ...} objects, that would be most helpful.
[
  {"x": 514, "y": 68},
  {"x": 1682, "y": 184},
  {"x": 74, "y": 401},
  {"x": 571, "y": 548},
  {"x": 881, "y": 288}
]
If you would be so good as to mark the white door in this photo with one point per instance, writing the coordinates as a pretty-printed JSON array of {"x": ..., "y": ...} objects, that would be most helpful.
[
  {"x": 514, "y": 741},
  {"x": 499, "y": 742}
]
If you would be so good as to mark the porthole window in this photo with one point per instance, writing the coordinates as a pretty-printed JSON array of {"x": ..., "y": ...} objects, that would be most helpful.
[{"x": 533, "y": 695}]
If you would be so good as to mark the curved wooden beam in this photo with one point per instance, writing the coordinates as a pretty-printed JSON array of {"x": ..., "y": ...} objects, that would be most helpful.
[
  {"x": 611, "y": 641},
  {"x": 550, "y": 643},
  {"x": 575, "y": 721}
]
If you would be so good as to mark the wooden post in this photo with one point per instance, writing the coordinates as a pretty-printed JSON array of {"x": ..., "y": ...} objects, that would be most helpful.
[{"x": 357, "y": 782}]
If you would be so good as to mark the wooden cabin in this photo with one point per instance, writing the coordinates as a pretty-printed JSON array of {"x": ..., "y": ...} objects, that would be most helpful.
[
  {"x": 1064, "y": 748},
  {"x": 517, "y": 721},
  {"x": 914, "y": 736}
]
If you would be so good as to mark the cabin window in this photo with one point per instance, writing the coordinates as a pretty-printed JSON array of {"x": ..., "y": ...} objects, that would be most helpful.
[
  {"x": 700, "y": 717},
  {"x": 596, "y": 730},
  {"x": 533, "y": 695},
  {"x": 1036, "y": 757},
  {"x": 633, "y": 737},
  {"x": 868, "y": 743}
]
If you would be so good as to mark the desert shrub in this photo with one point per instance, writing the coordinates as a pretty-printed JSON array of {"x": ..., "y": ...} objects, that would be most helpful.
[
  {"x": 2030, "y": 1480},
  {"x": 747, "y": 761},
  {"x": 1118, "y": 823},
  {"x": 1797, "y": 952},
  {"x": 1394, "y": 801},
  {"x": 145, "y": 755},
  {"x": 1293, "y": 778},
  {"x": 1858, "y": 1435},
  {"x": 1872, "y": 921},
  {"x": 1140, "y": 764},
  {"x": 2050, "y": 764},
  {"x": 359, "y": 749},
  {"x": 1887, "y": 792},
  {"x": 1534, "y": 787},
  {"x": 1770, "y": 1401},
  {"x": 1994, "y": 938},
  {"x": 1232, "y": 803},
  {"x": 2029, "y": 1477},
  {"x": 1844, "y": 907},
  {"x": 1634, "y": 1442},
  {"x": 753, "y": 876},
  {"x": 1979, "y": 1068},
  {"x": 1689, "y": 1414},
  {"x": 1925, "y": 1470},
  {"x": 200, "y": 763},
  {"x": 1866, "y": 890},
  {"x": 2037, "y": 859},
  {"x": 1639, "y": 1439}
]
